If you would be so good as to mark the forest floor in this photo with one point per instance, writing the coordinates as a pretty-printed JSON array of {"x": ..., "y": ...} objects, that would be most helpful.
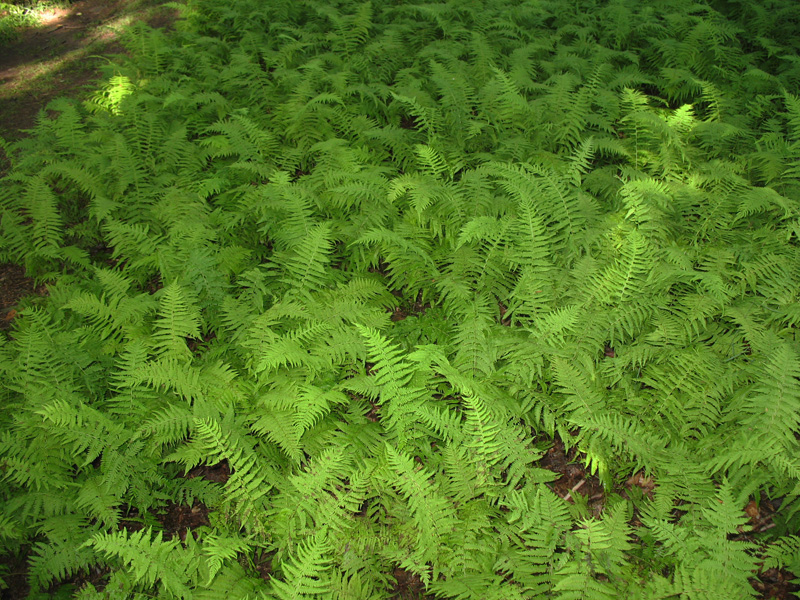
[{"x": 63, "y": 56}]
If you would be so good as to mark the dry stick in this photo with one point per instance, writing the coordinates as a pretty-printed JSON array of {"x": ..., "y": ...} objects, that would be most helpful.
[{"x": 574, "y": 488}]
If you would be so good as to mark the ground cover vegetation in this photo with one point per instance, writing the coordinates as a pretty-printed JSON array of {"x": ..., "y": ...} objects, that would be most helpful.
[
  {"x": 19, "y": 14},
  {"x": 367, "y": 262},
  {"x": 57, "y": 52}
]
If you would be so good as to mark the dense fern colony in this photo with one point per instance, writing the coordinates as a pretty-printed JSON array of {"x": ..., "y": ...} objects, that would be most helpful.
[{"x": 375, "y": 258}]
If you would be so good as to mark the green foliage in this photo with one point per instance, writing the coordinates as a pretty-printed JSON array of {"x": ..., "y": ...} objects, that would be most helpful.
[
  {"x": 369, "y": 260},
  {"x": 14, "y": 17}
]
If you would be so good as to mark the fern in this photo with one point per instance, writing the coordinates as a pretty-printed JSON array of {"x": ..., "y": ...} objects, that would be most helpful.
[
  {"x": 374, "y": 273},
  {"x": 306, "y": 575},
  {"x": 178, "y": 320},
  {"x": 251, "y": 478},
  {"x": 433, "y": 514},
  {"x": 151, "y": 560}
]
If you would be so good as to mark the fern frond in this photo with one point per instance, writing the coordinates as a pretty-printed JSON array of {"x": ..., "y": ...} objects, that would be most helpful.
[
  {"x": 168, "y": 426},
  {"x": 433, "y": 513},
  {"x": 150, "y": 560},
  {"x": 252, "y": 477},
  {"x": 306, "y": 576},
  {"x": 178, "y": 320},
  {"x": 390, "y": 370},
  {"x": 428, "y": 118},
  {"x": 774, "y": 404},
  {"x": 583, "y": 398},
  {"x": 220, "y": 549},
  {"x": 57, "y": 560},
  {"x": 628, "y": 276},
  {"x": 306, "y": 265},
  {"x": 783, "y": 553}
]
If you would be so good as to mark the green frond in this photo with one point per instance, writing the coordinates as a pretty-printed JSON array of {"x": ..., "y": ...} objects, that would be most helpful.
[
  {"x": 82, "y": 428},
  {"x": 630, "y": 272},
  {"x": 252, "y": 477},
  {"x": 55, "y": 561},
  {"x": 151, "y": 561},
  {"x": 306, "y": 576},
  {"x": 168, "y": 426},
  {"x": 434, "y": 515},
  {"x": 427, "y": 117},
  {"x": 582, "y": 397},
  {"x": 220, "y": 549},
  {"x": 774, "y": 404},
  {"x": 305, "y": 266},
  {"x": 481, "y": 437},
  {"x": 536, "y": 525},
  {"x": 391, "y": 372},
  {"x": 783, "y": 553},
  {"x": 178, "y": 320}
]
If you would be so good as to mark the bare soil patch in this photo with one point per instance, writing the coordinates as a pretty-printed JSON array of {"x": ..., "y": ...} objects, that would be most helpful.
[{"x": 63, "y": 55}]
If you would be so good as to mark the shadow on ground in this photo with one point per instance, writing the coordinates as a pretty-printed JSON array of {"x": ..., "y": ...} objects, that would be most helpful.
[{"x": 64, "y": 54}]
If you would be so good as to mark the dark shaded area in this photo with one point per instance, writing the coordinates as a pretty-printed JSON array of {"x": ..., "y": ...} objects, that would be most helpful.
[
  {"x": 772, "y": 583},
  {"x": 178, "y": 519},
  {"x": 407, "y": 308},
  {"x": 775, "y": 583},
  {"x": 408, "y": 587},
  {"x": 574, "y": 477},
  {"x": 70, "y": 39},
  {"x": 219, "y": 473},
  {"x": 15, "y": 575},
  {"x": 262, "y": 561},
  {"x": 14, "y": 286},
  {"x": 762, "y": 512}
]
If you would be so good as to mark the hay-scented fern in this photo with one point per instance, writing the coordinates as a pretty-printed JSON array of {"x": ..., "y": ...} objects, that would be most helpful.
[{"x": 375, "y": 258}]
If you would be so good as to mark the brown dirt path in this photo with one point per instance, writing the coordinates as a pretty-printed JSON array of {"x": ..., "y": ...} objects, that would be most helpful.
[{"x": 63, "y": 55}]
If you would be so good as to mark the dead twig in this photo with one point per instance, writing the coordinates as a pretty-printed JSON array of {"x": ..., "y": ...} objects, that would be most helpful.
[{"x": 575, "y": 488}]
